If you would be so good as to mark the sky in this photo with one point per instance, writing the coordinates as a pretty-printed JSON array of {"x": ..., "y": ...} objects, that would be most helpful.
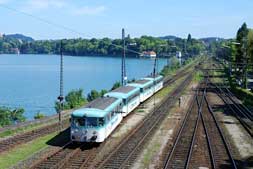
[{"x": 56, "y": 19}]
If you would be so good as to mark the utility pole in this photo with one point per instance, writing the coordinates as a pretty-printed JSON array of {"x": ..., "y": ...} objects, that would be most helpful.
[
  {"x": 123, "y": 64},
  {"x": 154, "y": 75},
  {"x": 185, "y": 52},
  {"x": 61, "y": 97},
  {"x": 245, "y": 62}
]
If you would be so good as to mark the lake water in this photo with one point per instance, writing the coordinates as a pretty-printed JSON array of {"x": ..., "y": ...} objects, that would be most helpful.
[{"x": 32, "y": 81}]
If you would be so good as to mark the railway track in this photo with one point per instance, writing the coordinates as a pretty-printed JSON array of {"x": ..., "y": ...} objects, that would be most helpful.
[
  {"x": 200, "y": 142},
  {"x": 81, "y": 156},
  {"x": 239, "y": 111},
  {"x": 11, "y": 142},
  {"x": 127, "y": 151},
  {"x": 71, "y": 156}
]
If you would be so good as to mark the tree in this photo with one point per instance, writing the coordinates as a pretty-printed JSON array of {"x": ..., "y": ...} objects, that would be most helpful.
[
  {"x": 240, "y": 38},
  {"x": 73, "y": 99},
  {"x": 93, "y": 95},
  {"x": 4, "y": 116},
  {"x": 116, "y": 85},
  {"x": 103, "y": 92},
  {"x": 8, "y": 116},
  {"x": 17, "y": 115},
  {"x": 250, "y": 45},
  {"x": 189, "y": 39},
  {"x": 174, "y": 63}
]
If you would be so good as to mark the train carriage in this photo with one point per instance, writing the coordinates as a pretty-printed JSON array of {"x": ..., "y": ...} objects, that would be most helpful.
[
  {"x": 96, "y": 121},
  {"x": 130, "y": 97},
  {"x": 157, "y": 80},
  {"x": 146, "y": 88}
]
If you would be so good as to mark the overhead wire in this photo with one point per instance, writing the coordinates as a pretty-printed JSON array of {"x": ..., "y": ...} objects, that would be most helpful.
[{"x": 59, "y": 25}]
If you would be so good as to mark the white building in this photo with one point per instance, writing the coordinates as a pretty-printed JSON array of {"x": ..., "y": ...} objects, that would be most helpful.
[
  {"x": 149, "y": 54},
  {"x": 178, "y": 54}
]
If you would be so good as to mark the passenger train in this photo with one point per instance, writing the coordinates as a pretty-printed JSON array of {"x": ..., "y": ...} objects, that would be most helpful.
[{"x": 97, "y": 120}]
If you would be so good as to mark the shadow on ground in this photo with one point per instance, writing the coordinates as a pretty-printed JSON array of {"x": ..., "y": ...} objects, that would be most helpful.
[{"x": 60, "y": 139}]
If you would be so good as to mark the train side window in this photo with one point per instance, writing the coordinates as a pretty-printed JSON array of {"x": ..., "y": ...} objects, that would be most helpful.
[
  {"x": 109, "y": 116},
  {"x": 124, "y": 101},
  {"x": 101, "y": 121},
  {"x": 141, "y": 90}
]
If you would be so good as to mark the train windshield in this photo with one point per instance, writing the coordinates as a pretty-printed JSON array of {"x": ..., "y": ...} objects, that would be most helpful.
[
  {"x": 79, "y": 121},
  {"x": 88, "y": 121},
  {"x": 92, "y": 122}
]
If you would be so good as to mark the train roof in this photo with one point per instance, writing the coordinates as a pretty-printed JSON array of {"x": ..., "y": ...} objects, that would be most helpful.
[
  {"x": 98, "y": 108},
  {"x": 141, "y": 83},
  {"x": 124, "y": 89},
  {"x": 123, "y": 92},
  {"x": 101, "y": 103},
  {"x": 157, "y": 77}
]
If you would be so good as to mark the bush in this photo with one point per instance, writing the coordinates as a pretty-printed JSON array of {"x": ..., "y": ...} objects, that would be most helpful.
[
  {"x": 39, "y": 115},
  {"x": 243, "y": 94},
  {"x": 9, "y": 116},
  {"x": 116, "y": 85},
  {"x": 93, "y": 95},
  {"x": 174, "y": 65},
  {"x": 198, "y": 76}
]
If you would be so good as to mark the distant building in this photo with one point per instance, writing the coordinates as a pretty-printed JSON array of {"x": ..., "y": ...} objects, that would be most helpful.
[
  {"x": 179, "y": 57},
  {"x": 1, "y": 35},
  {"x": 178, "y": 54},
  {"x": 149, "y": 54},
  {"x": 15, "y": 50}
]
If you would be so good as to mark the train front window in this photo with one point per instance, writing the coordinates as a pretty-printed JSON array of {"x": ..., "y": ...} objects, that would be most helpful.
[
  {"x": 79, "y": 121},
  {"x": 92, "y": 122},
  {"x": 101, "y": 121}
]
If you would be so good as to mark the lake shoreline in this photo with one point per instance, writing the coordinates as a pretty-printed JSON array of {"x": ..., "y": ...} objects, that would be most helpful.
[{"x": 32, "y": 81}]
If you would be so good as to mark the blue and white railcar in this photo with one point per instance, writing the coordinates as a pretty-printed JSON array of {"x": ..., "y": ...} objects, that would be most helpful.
[
  {"x": 157, "y": 80},
  {"x": 146, "y": 88},
  {"x": 130, "y": 97},
  {"x": 96, "y": 121}
]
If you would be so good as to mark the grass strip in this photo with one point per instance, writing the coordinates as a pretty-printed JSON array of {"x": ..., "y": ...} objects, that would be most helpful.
[{"x": 8, "y": 159}]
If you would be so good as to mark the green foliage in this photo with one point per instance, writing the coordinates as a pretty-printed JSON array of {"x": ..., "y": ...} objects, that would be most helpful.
[
  {"x": 240, "y": 37},
  {"x": 74, "y": 99},
  {"x": 93, "y": 95},
  {"x": 8, "y": 116},
  {"x": 198, "y": 76},
  {"x": 103, "y": 92},
  {"x": 174, "y": 65},
  {"x": 250, "y": 45},
  {"x": 39, "y": 115},
  {"x": 101, "y": 46},
  {"x": 24, "y": 151},
  {"x": 243, "y": 94},
  {"x": 116, "y": 85}
]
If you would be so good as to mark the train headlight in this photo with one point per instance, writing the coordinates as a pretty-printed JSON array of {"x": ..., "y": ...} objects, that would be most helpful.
[
  {"x": 84, "y": 132},
  {"x": 74, "y": 131}
]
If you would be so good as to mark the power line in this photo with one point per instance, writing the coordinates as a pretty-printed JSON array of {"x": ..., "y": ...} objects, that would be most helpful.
[
  {"x": 58, "y": 25},
  {"x": 66, "y": 28}
]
